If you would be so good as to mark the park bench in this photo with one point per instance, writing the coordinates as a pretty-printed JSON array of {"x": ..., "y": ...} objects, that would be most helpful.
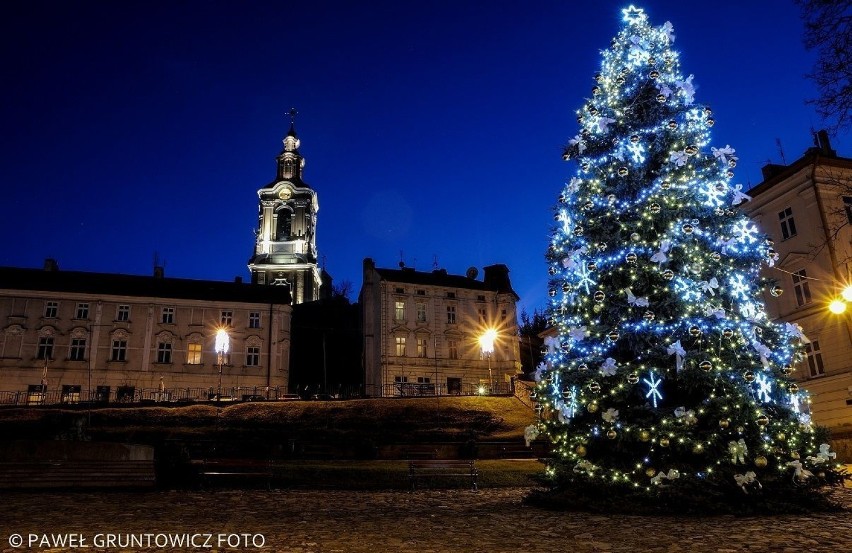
[
  {"x": 434, "y": 469},
  {"x": 517, "y": 452},
  {"x": 84, "y": 474},
  {"x": 235, "y": 471}
]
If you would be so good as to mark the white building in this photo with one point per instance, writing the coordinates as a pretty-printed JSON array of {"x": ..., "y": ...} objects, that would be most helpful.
[
  {"x": 423, "y": 331},
  {"x": 69, "y": 336},
  {"x": 806, "y": 208}
]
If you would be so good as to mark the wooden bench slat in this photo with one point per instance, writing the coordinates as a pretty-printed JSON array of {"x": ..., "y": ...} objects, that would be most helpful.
[{"x": 441, "y": 468}]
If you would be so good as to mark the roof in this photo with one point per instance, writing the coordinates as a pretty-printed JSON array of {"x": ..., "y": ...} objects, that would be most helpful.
[
  {"x": 439, "y": 278},
  {"x": 143, "y": 286},
  {"x": 773, "y": 174}
]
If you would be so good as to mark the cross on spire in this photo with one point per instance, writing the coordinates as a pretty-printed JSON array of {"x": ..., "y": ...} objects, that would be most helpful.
[{"x": 292, "y": 113}]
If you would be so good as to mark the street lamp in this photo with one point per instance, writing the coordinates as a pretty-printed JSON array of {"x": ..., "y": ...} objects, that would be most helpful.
[
  {"x": 222, "y": 343},
  {"x": 839, "y": 305},
  {"x": 486, "y": 344}
]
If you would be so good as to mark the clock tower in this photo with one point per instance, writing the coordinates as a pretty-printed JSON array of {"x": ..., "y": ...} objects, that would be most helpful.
[{"x": 285, "y": 250}]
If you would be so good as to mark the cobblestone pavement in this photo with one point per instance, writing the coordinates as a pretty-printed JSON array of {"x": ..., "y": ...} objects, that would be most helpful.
[{"x": 491, "y": 520}]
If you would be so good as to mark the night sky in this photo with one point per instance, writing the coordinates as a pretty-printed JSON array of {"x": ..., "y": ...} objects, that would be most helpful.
[{"x": 431, "y": 130}]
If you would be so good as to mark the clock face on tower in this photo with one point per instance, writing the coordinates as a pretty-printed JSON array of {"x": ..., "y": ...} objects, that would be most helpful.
[{"x": 285, "y": 193}]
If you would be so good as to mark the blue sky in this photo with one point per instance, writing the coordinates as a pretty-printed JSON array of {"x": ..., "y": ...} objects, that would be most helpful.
[{"x": 430, "y": 128}]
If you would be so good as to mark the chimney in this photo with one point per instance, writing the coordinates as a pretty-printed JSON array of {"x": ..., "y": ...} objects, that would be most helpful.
[
  {"x": 771, "y": 169},
  {"x": 159, "y": 271},
  {"x": 824, "y": 144},
  {"x": 497, "y": 278},
  {"x": 50, "y": 265}
]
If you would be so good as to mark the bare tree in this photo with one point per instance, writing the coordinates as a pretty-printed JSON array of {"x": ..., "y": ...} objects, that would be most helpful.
[
  {"x": 828, "y": 30},
  {"x": 343, "y": 289}
]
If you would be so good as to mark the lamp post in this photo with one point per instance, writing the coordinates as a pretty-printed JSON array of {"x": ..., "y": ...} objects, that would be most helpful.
[
  {"x": 486, "y": 344},
  {"x": 222, "y": 344}
]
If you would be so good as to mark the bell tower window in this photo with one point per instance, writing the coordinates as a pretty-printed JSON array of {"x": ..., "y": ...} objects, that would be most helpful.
[{"x": 287, "y": 171}]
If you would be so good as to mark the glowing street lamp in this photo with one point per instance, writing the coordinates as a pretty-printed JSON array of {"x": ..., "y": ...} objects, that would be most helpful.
[
  {"x": 486, "y": 344},
  {"x": 223, "y": 342},
  {"x": 846, "y": 294},
  {"x": 837, "y": 307}
]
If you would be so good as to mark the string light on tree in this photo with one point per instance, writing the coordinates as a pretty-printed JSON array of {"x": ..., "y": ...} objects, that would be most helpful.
[{"x": 656, "y": 296}]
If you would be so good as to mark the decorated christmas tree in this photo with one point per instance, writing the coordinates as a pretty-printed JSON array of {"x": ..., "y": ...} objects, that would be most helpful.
[{"x": 665, "y": 374}]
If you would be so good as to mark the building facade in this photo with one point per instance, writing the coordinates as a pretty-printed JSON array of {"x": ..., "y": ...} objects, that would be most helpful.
[
  {"x": 71, "y": 336},
  {"x": 285, "y": 250},
  {"x": 423, "y": 331},
  {"x": 806, "y": 209}
]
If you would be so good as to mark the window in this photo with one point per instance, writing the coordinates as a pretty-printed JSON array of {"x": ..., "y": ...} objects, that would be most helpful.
[
  {"x": 70, "y": 393},
  {"x": 424, "y": 380},
  {"x": 400, "y": 379},
  {"x": 168, "y": 315},
  {"x": 451, "y": 294},
  {"x": 254, "y": 319},
  {"x": 421, "y": 312},
  {"x": 45, "y": 348},
  {"x": 252, "y": 356},
  {"x": 451, "y": 314},
  {"x": 814, "y": 354},
  {"x": 226, "y": 318},
  {"x": 421, "y": 292},
  {"x": 847, "y": 207},
  {"x": 503, "y": 315},
  {"x": 400, "y": 290},
  {"x": 399, "y": 311},
  {"x": 78, "y": 349},
  {"x": 122, "y": 313},
  {"x": 193, "y": 354},
  {"x": 400, "y": 346},
  {"x": 51, "y": 309},
  {"x": 801, "y": 287},
  {"x": 482, "y": 315},
  {"x": 480, "y": 298},
  {"x": 82, "y": 311},
  {"x": 421, "y": 347},
  {"x": 119, "y": 350},
  {"x": 788, "y": 225},
  {"x": 164, "y": 352},
  {"x": 453, "y": 349}
]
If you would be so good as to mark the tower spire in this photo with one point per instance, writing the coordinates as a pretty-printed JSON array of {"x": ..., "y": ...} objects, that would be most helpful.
[{"x": 292, "y": 113}]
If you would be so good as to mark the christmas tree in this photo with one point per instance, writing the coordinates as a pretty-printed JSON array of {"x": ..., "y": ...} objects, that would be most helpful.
[{"x": 665, "y": 372}]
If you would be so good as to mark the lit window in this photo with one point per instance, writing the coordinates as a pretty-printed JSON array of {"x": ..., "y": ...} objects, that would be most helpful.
[
  {"x": 82, "y": 311},
  {"x": 51, "y": 309},
  {"x": 122, "y": 313},
  {"x": 254, "y": 319},
  {"x": 78, "y": 349},
  {"x": 421, "y": 347},
  {"x": 70, "y": 393},
  {"x": 168, "y": 315},
  {"x": 252, "y": 356},
  {"x": 788, "y": 225},
  {"x": 193, "y": 354},
  {"x": 164, "y": 352},
  {"x": 801, "y": 287},
  {"x": 400, "y": 346},
  {"x": 399, "y": 311},
  {"x": 45, "y": 348},
  {"x": 814, "y": 354},
  {"x": 451, "y": 314},
  {"x": 421, "y": 312},
  {"x": 226, "y": 318},
  {"x": 119, "y": 350},
  {"x": 453, "y": 349}
]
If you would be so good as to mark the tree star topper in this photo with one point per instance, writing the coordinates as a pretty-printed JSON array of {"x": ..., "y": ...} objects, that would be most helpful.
[{"x": 634, "y": 15}]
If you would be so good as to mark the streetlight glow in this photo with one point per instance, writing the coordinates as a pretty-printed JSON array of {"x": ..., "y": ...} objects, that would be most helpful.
[
  {"x": 486, "y": 341},
  {"x": 223, "y": 341},
  {"x": 847, "y": 293},
  {"x": 837, "y": 307}
]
